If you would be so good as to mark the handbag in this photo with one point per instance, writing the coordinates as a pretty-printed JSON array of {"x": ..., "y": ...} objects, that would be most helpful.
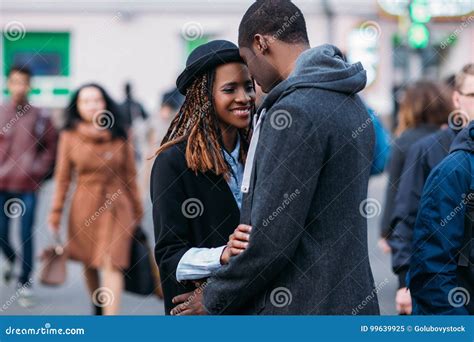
[
  {"x": 142, "y": 277},
  {"x": 53, "y": 264}
]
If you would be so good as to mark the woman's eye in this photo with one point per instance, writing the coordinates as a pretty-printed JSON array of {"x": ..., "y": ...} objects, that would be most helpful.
[{"x": 228, "y": 90}]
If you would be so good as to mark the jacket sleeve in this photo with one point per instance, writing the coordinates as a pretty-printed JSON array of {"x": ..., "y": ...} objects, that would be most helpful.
[
  {"x": 438, "y": 237},
  {"x": 405, "y": 210},
  {"x": 131, "y": 180},
  {"x": 274, "y": 237},
  {"x": 172, "y": 236},
  {"x": 46, "y": 153},
  {"x": 395, "y": 167},
  {"x": 62, "y": 177}
]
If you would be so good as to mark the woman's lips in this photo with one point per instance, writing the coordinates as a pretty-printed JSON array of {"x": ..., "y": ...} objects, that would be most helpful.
[{"x": 241, "y": 112}]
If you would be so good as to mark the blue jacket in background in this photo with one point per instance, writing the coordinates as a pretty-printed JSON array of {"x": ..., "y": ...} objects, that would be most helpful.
[
  {"x": 382, "y": 144},
  {"x": 439, "y": 231}
]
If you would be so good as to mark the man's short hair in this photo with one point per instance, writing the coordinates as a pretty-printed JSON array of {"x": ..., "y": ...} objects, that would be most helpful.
[
  {"x": 280, "y": 19},
  {"x": 20, "y": 69},
  {"x": 467, "y": 70}
]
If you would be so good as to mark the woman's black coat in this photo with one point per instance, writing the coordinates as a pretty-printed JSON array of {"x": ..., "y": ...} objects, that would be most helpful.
[{"x": 189, "y": 210}]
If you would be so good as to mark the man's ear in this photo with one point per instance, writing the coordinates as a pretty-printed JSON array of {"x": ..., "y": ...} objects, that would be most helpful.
[
  {"x": 455, "y": 98},
  {"x": 260, "y": 43}
]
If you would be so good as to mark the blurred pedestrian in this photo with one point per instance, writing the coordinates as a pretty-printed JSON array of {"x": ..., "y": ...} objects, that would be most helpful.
[
  {"x": 197, "y": 174},
  {"x": 441, "y": 276},
  {"x": 27, "y": 150},
  {"x": 130, "y": 108},
  {"x": 171, "y": 102},
  {"x": 106, "y": 206},
  {"x": 132, "y": 111},
  {"x": 424, "y": 108},
  {"x": 422, "y": 157}
]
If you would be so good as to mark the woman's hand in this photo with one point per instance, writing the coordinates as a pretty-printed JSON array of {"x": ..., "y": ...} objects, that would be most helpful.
[{"x": 238, "y": 242}]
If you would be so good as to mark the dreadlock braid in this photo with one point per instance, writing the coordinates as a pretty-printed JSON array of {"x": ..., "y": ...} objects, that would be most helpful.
[{"x": 197, "y": 122}]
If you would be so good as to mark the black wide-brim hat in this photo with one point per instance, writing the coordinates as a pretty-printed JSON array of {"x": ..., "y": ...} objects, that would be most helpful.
[{"x": 204, "y": 58}]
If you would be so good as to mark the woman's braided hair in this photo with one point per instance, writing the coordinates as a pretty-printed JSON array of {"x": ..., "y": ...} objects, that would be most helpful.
[{"x": 197, "y": 123}]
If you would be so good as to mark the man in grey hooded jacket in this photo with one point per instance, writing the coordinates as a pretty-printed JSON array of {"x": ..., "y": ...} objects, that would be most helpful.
[{"x": 305, "y": 181}]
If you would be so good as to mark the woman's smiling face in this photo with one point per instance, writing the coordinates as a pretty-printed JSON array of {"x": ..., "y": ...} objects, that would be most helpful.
[{"x": 234, "y": 95}]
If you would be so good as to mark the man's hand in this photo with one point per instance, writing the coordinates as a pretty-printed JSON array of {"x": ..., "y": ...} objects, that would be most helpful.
[
  {"x": 403, "y": 301},
  {"x": 238, "y": 242},
  {"x": 189, "y": 303}
]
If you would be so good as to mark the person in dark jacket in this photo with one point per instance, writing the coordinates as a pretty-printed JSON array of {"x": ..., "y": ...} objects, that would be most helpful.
[
  {"x": 130, "y": 108},
  {"x": 423, "y": 109},
  {"x": 308, "y": 244},
  {"x": 27, "y": 149},
  {"x": 441, "y": 276},
  {"x": 422, "y": 157},
  {"x": 196, "y": 177}
]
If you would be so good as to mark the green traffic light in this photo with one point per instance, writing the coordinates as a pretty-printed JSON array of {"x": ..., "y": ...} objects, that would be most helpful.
[
  {"x": 420, "y": 11},
  {"x": 418, "y": 36}
]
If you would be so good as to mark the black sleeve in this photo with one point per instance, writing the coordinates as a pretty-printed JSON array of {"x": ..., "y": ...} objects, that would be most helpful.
[
  {"x": 171, "y": 226},
  {"x": 394, "y": 172},
  {"x": 405, "y": 210},
  {"x": 143, "y": 113}
]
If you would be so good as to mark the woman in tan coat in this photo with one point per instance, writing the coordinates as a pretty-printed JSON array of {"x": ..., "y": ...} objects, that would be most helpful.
[{"x": 106, "y": 206}]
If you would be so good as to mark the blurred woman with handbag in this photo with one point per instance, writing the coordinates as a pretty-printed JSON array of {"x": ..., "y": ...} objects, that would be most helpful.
[{"x": 106, "y": 206}]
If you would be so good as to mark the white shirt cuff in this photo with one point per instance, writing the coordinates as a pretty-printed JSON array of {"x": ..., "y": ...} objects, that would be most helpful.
[{"x": 198, "y": 263}]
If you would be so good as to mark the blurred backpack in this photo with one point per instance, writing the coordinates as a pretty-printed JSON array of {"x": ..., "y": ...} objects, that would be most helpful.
[{"x": 40, "y": 129}]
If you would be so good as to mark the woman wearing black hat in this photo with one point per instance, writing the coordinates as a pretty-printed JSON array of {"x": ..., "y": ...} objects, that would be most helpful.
[{"x": 197, "y": 174}]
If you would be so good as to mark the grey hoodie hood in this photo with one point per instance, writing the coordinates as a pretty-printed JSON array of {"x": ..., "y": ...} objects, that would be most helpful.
[
  {"x": 464, "y": 140},
  {"x": 321, "y": 67}
]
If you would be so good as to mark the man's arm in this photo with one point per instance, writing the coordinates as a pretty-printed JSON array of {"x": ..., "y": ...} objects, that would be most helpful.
[
  {"x": 404, "y": 214},
  {"x": 288, "y": 163}
]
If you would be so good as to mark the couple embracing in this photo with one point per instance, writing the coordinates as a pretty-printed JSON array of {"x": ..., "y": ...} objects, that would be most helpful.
[{"x": 256, "y": 211}]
